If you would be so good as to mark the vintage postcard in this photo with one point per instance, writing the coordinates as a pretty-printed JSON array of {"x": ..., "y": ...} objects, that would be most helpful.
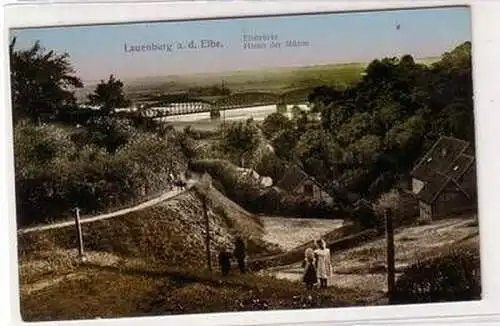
[{"x": 245, "y": 164}]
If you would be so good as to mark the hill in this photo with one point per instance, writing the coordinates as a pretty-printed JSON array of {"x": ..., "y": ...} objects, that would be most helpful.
[
  {"x": 152, "y": 262},
  {"x": 171, "y": 233}
]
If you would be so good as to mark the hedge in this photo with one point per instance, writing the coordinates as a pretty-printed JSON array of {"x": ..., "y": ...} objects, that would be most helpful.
[{"x": 454, "y": 276}]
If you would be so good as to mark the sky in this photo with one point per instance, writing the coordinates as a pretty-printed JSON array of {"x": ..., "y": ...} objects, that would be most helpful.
[{"x": 98, "y": 51}]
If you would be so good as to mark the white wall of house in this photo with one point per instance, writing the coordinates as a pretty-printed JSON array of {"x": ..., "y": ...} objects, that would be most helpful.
[{"x": 417, "y": 185}]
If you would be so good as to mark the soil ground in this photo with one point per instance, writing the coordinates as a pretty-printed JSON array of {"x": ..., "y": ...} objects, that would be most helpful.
[{"x": 363, "y": 267}]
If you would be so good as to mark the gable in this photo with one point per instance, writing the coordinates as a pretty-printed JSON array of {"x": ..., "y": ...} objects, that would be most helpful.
[
  {"x": 292, "y": 179},
  {"x": 439, "y": 158},
  {"x": 447, "y": 161},
  {"x": 434, "y": 184}
]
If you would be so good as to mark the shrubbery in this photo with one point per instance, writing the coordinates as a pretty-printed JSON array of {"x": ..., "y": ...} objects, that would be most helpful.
[
  {"x": 455, "y": 276},
  {"x": 404, "y": 207},
  {"x": 54, "y": 173}
]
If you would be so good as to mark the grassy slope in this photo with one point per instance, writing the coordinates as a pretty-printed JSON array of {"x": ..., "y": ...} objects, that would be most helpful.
[
  {"x": 122, "y": 291},
  {"x": 170, "y": 233},
  {"x": 137, "y": 266}
]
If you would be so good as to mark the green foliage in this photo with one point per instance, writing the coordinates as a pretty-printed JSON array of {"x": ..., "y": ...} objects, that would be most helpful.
[
  {"x": 357, "y": 126},
  {"x": 106, "y": 132},
  {"x": 42, "y": 82},
  {"x": 382, "y": 124},
  {"x": 270, "y": 165},
  {"x": 453, "y": 276},
  {"x": 56, "y": 171},
  {"x": 109, "y": 95},
  {"x": 284, "y": 143},
  {"x": 240, "y": 139},
  {"x": 275, "y": 123}
]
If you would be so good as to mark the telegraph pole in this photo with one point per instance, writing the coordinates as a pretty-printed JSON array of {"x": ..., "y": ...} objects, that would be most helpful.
[
  {"x": 79, "y": 234},
  {"x": 390, "y": 252},
  {"x": 207, "y": 229},
  {"x": 205, "y": 185}
]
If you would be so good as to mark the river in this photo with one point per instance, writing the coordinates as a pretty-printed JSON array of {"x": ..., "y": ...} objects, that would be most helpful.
[{"x": 204, "y": 122}]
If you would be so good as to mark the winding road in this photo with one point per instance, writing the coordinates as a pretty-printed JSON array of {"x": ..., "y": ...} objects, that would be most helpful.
[{"x": 152, "y": 202}]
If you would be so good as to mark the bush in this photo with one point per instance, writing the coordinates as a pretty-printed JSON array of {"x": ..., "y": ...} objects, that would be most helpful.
[
  {"x": 454, "y": 276},
  {"x": 53, "y": 174},
  {"x": 365, "y": 216},
  {"x": 404, "y": 207},
  {"x": 270, "y": 165},
  {"x": 106, "y": 132}
]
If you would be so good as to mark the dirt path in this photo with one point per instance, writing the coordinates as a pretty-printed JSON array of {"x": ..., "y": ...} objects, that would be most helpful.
[
  {"x": 146, "y": 204},
  {"x": 354, "y": 268},
  {"x": 290, "y": 233}
]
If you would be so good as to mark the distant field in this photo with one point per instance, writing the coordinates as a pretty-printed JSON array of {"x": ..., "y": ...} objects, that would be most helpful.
[{"x": 269, "y": 80}]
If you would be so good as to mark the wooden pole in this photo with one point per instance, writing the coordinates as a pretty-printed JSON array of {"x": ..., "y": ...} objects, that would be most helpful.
[
  {"x": 207, "y": 229},
  {"x": 390, "y": 252},
  {"x": 79, "y": 232}
]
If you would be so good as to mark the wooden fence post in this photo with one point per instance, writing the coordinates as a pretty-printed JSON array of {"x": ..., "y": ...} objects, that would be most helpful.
[
  {"x": 390, "y": 252},
  {"x": 207, "y": 230},
  {"x": 204, "y": 187},
  {"x": 79, "y": 232}
]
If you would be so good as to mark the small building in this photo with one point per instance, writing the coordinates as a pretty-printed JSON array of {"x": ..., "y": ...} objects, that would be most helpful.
[
  {"x": 444, "y": 179},
  {"x": 297, "y": 182},
  {"x": 252, "y": 175}
]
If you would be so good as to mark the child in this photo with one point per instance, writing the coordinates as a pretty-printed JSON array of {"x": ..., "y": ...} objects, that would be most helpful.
[
  {"x": 310, "y": 277},
  {"x": 323, "y": 263}
]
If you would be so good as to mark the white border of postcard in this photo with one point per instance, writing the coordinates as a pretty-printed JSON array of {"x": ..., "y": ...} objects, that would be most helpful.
[{"x": 486, "y": 65}]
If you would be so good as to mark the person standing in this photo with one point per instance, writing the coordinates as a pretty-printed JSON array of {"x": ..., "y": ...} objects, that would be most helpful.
[
  {"x": 323, "y": 263},
  {"x": 240, "y": 254},
  {"x": 310, "y": 276},
  {"x": 224, "y": 262}
]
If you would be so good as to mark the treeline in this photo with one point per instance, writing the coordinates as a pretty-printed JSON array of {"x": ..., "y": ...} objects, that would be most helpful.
[
  {"x": 371, "y": 133},
  {"x": 67, "y": 156}
]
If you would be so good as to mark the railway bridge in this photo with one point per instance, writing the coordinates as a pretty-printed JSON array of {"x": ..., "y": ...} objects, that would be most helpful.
[{"x": 229, "y": 102}]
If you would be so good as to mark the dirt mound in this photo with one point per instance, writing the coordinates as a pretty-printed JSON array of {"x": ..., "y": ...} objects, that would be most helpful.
[{"x": 172, "y": 232}]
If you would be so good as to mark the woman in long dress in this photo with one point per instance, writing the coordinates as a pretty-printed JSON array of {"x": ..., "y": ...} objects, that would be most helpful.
[{"x": 323, "y": 263}]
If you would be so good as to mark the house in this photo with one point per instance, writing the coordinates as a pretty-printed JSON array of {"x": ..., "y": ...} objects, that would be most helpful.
[
  {"x": 297, "y": 182},
  {"x": 444, "y": 179},
  {"x": 252, "y": 175}
]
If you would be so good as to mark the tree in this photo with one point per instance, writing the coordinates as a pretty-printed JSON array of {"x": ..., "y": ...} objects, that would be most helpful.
[
  {"x": 366, "y": 149},
  {"x": 42, "y": 83},
  {"x": 240, "y": 139},
  {"x": 284, "y": 143},
  {"x": 359, "y": 125},
  {"x": 109, "y": 95},
  {"x": 275, "y": 123}
]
